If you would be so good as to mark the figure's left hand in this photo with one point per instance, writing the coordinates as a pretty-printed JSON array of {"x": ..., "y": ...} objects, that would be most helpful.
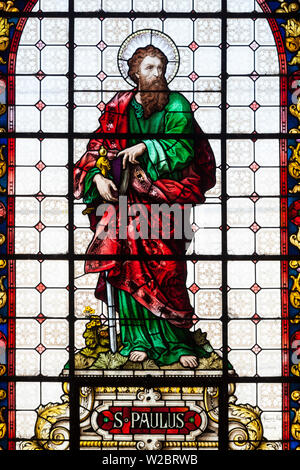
[{"x": 131, "y": 154}]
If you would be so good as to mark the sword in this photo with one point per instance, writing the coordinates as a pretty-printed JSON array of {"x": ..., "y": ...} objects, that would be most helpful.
[{"x": 111, "y": 311}]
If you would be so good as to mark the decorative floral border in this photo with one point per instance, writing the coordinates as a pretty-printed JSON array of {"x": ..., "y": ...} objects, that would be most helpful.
[{"x": 291, "y": 33}]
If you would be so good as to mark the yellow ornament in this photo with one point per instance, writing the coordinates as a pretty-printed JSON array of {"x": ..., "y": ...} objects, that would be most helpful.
[
  {"x": 2, "y": 263},
  {"x": 3, "y": 429},
  {"x": 3, "y": 294},
  {"x": 2, "y": 161},
  {"x": 102, "y": 151},
  {"x": 295, "y": 395},
  {"x": 103, "y": 165}
]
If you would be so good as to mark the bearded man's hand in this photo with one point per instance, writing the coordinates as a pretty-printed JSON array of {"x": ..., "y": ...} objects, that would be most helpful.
[{"x": 106, "y": 188}]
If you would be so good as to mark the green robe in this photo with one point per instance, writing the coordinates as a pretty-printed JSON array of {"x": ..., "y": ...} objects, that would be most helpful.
[{"x": 140, "y": 329}]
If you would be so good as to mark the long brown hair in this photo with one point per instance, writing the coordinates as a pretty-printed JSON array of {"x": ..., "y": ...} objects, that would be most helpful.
[{"x": 154, "y": 97}]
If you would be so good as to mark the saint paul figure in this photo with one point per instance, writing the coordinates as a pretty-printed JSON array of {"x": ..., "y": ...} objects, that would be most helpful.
[{"x": 147, "y": 137}]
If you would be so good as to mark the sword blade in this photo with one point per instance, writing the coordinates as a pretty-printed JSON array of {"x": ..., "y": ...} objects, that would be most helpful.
[{"x": 111, "y": 311}]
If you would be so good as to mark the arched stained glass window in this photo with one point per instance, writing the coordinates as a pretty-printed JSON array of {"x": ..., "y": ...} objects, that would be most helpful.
[{"x": 149, "y": 226}]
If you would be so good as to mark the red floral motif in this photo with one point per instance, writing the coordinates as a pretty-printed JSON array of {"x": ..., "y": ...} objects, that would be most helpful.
[
  {"x": 2, "y": 212},
  {"x": 293, "y": 79}
]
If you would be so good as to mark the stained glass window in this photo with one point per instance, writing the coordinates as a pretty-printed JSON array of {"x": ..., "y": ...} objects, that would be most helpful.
[{"x": 149, "y": 226}]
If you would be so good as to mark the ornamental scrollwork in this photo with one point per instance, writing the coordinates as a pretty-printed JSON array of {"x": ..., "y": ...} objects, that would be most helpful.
[
  {"x": 3, "y": 426},
  {"x": 4, "y": 33},
  {"x": 245, "y": 425},
  {"x": 246, "y": 430},
  {"x": 295, "y": 425},
  {"x": 287, "y": 7},
  {"x": 52, "y": 428},
  {"x": 292, "y": 43},
  {"x": 8, "y": 6}
]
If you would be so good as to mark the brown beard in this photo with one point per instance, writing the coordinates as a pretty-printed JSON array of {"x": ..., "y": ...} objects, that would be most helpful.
[{"x": 154, "y": 95}]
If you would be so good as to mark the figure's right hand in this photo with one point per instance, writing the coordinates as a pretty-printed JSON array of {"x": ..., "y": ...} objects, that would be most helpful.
[{"x": 106, "y": 188}]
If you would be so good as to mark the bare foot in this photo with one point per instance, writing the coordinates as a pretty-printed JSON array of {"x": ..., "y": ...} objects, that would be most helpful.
[
  {"x": 189, "y": 361},
  {"x": 137, "y": 356}
]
